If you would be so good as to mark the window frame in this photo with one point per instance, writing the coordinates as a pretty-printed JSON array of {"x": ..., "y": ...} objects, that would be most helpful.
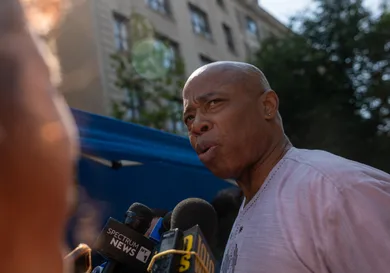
[
  {"x": 205, "y": 30},
  {"x": 121, "y": 36},
  {"x": 248, "y": 20},
  {"x": 162, "y": 8},
  {"x": 229, "y": 38}
]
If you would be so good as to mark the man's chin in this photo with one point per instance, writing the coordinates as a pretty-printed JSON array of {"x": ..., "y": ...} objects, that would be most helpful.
[{"x": 222, "y": 173}]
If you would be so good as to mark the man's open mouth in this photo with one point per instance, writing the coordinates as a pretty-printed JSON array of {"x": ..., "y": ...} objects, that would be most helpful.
[{"x": 205, "y": 150}]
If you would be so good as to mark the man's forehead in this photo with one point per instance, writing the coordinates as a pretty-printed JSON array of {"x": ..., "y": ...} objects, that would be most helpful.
[{"x": 203, "y": 85}]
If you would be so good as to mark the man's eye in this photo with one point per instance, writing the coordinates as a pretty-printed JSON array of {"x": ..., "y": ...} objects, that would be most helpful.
[
  {"x": 188, "y": 118},
  {"x": 214, "y": 102}
]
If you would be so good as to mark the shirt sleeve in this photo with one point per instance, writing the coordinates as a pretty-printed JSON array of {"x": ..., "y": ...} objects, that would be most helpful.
[{"x": 357, "y": 237}]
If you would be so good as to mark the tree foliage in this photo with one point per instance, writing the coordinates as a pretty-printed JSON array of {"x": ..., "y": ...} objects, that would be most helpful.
[
  {"x": 333, "y": 79},
  {"x": 151, "y": 77}
]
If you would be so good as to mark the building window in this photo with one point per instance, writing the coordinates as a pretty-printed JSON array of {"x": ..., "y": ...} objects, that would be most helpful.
[
  {"x": 205, "y": 60},
  {"x": 169, "y": 51},
  {"x": 161, "y": 6},
  {"x": 120, "y": 32},
  {"x": 221, "y": 3},
  {"x": 155, "y": 57},
  {"x": 200, "y": 22},
  {"x": 229, "y": 37},
  {"x": 251, "y": 26}
]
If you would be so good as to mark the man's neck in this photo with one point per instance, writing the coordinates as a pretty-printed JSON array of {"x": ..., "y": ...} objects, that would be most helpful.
[{"x": 252, "y": 180}]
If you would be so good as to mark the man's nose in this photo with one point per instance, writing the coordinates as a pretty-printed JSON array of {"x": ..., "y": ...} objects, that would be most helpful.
[{"x": 201, "y": 125}]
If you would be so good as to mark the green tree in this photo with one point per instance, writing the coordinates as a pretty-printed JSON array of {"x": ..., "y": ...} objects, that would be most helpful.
[
  {"x": 333, "y": 79},
  {"x": 151, "y": 74}
]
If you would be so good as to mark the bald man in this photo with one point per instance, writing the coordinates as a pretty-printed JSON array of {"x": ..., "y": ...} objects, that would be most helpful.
[
  {"x": 38, "y": 151},
  {"x": 304, "y": 210}
]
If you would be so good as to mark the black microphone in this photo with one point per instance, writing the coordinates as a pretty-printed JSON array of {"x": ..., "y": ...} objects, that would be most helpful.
[
  {"x": 193, "y": 224},
  {"x": 124, "y": 244}
]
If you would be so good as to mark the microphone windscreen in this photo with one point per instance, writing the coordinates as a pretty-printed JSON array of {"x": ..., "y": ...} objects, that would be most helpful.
[
  {"x": 139, "y": 217},
  {"x": 195, "y": 211},
  {"x": 141, "y": 211}
]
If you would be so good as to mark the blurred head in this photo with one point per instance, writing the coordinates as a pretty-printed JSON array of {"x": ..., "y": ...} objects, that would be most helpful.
[
  {"x": 226, "y": 203},
  {"x": 36, "y": 119},
  {"x": 87, "y": 218},
  {"x": 43, "y": 17},
  {"x": 232, "y": 116}
]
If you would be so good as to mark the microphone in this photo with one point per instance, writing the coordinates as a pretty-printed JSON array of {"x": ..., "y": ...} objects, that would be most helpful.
[
  {"x": 193, "y": 224},
  {"x": 124, "y": 244}
]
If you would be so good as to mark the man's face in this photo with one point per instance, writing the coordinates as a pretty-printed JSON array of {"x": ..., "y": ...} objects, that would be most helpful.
[{"x": 225, "y": 122}]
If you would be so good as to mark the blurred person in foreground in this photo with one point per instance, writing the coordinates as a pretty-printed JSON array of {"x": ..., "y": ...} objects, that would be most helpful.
[
  {"x": 38, "y": 141},
  {"x": 304, "y": 210}
]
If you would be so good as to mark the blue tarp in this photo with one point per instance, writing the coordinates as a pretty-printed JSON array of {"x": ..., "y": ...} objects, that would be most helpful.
[{"x": 170, "y": 170}]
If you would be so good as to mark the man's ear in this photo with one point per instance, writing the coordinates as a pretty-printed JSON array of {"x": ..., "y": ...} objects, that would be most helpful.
[{"x": 270, "y": 104}]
